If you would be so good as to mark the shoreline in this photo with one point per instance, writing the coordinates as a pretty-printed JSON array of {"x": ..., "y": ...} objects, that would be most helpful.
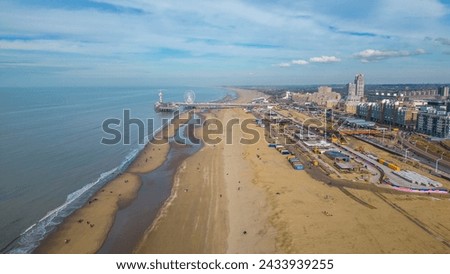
[
  {"x": 179, "y": 188},
  {"x": 223, "y": 215},
  {"x": 234, "y": 198},
  {"x": 96, "y": 217},
  {"x": 248, "y": 199},
  {"x": 53, "y": 242},
  {"x": 132, "y": 221}
]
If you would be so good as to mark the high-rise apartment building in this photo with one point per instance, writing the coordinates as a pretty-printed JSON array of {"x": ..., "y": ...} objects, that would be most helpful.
[
  {"x": 443, "y": 91},
  {"x": 355, "y": 90},
  {"x": 433, "y": 124},
  {"x": 351, "y": 91},
  {"x": 355, "y": 94},
  {"x": 359, "y": 83}
]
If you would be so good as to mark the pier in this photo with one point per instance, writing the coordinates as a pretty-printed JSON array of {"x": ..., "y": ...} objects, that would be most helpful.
[
  {"x": 213, "y": 105},
  {"x": 162, "y": 106},
  {"x": 189, "y": 103}
]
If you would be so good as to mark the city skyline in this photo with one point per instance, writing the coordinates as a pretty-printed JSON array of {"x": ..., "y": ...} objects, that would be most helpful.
[{"x": 117, "y": 42}]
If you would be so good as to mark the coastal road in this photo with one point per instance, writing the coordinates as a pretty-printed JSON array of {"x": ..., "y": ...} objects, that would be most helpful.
[
  {"x": 443, "y": 165},
  {"x": 387, "y": 171},
  {"x": 321, "y": 173}
]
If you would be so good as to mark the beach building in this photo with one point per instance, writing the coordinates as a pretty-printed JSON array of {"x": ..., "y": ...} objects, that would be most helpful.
[
  {"x": 314, "y": 144},
  {"x": 345, "y": 166},
  {"x": 337, "y": 156},
  {"x": 308, "y": 136},
  {"x": 297, "y": 166}
]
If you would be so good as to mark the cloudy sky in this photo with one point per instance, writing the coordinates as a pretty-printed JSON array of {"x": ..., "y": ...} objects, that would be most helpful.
[{"x": 186, "y": 42}]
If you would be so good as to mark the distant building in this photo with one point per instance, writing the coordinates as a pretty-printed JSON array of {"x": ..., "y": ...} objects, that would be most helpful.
[
  {"x": 431, "y": 123},
  {"x": 378, "y": 96},
  {"x": 378, "y": 113},
  {"x": 355, "y": 94},
  {"x": 406, "y": 117},
  {"x": 388, "y": 112},
  {"x": 419, "y": 94},
  {"x": 359, "y": 83},
  {"x": 350, "y": 107},
  {"x": 443, "y": 91},
  {"x": 288, "y": 96},
  {"x": 351, "y": 92},
  {"x": 364, "y": 110},
  {"x": 324, "y": 89},
  {"x": 323, "y": 97},
  {"x": 337, "y": 156}
]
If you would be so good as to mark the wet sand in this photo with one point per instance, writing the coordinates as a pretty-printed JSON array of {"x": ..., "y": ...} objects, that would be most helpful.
[
  {"x": 215, "y": 206},
  {"x": 132, "y": 221},
  {"x": 87, "y": 228},
  {"x": 234, "y": 198},
  {"x": 248, "y": 199},
  {"x": 194, "y": 216}
]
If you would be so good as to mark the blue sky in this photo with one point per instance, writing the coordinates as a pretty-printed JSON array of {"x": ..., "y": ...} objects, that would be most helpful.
[{"x": 139, "y": 42}]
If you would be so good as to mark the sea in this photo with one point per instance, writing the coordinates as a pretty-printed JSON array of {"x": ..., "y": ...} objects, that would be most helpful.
[{"x": 51, "y": 155}]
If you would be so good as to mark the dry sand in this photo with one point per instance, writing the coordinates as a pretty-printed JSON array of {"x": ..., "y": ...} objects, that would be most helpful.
[
  {"x": 193, "y": 219},
  {"x": 86, "y": 229},
  {"x": 311, "y": 217},
  {"x": 215, "y": 206},
  {"x": 248, "y": 207},
  {"x": 248, "y": 199},
  {"x": 271, "y": 208}
]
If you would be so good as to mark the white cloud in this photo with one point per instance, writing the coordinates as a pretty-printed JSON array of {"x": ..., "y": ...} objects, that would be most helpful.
[
  {"x": 324, "y": 59},
  {"x": 50, "y": 46},
  {"x": 369, "y": 55},
  {"x": 299, "y": 62},
  {"x": 210, "y": 37},
  {"x": 283, "y": 65},
  {"x": 321, "y": 59}
]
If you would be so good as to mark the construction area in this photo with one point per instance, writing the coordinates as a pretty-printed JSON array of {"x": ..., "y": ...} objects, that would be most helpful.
[{"x": 346, "y": 153}]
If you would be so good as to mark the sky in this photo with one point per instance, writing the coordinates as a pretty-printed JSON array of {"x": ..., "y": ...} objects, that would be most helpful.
[{"x": 210, "y": 43}]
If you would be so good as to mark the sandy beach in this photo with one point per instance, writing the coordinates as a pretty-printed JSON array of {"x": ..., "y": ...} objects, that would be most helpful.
[
  {"x": 213, "y": 206},
  {"x": 85, "y": 230},
  {"x": 248, "y": 199},
  {"x": 235, "y": 198}
]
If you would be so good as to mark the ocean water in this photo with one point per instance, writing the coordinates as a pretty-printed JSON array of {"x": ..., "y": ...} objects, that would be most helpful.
[{"x": 51, "y": 156}]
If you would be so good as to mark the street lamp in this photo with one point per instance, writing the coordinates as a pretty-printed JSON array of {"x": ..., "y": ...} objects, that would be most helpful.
[
  {"x": 406, "y": 153},
  {"x": 437, "y": 162},
  {"x": 325, "y": 133}
]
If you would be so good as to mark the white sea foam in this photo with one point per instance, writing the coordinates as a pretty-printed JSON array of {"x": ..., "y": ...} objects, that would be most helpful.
[{"x": 31, "y": 237}]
